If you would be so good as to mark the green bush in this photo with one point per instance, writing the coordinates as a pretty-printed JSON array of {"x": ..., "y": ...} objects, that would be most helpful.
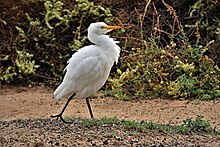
[
  {"x": 44, "y": 37},
  {"x": 169, "y": 50},
  {"x": 170, "y": 62}
]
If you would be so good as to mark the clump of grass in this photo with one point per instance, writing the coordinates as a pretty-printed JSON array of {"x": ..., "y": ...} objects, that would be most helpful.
[
  {"x": 99, "y": 122},
  {"x": 22, "y": 140},
  {"x": 198, "y": 125},
  {"x": 188, "y": 126}
]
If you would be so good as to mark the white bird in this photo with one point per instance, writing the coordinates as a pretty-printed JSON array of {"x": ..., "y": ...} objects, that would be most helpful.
[{"x": 89, "y": 68}]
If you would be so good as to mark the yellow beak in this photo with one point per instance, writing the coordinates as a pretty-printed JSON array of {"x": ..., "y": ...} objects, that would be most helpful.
[{"x": 111, "y": 27}]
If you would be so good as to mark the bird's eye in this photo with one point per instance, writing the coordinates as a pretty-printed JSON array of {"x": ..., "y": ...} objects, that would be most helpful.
[{"x": 102, "y": 27}]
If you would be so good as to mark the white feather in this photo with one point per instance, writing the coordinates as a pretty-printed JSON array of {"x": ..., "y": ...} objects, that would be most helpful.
[{"x": 89, "y": 68}]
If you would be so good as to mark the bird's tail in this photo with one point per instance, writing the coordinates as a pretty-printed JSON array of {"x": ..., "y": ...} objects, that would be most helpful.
[{"x": 60, "y": 92}]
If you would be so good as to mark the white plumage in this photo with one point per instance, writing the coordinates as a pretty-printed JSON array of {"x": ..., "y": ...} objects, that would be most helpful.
[{"x": 89, "y": 68}]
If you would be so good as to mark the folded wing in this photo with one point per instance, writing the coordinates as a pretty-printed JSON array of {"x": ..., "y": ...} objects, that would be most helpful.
[{"x": 84, "y": 76}]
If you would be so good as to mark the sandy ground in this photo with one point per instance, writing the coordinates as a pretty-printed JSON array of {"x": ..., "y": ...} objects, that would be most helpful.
[
  {"x": 38, "y": 102},
  {"x": 19, "y": 105}
]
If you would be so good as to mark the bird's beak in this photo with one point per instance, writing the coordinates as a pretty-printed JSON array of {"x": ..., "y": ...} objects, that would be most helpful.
[{"x": 111, "y": 27}]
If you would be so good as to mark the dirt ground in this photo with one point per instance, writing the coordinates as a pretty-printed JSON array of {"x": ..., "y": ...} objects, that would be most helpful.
[{"x": 22, "y": 105}]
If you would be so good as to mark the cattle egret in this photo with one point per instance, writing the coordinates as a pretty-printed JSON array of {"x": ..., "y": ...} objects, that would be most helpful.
[{"x": 89, "y": 68}]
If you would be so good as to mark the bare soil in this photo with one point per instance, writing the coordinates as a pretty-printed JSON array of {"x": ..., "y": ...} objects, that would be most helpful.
[{"x": 25, "y": 120}]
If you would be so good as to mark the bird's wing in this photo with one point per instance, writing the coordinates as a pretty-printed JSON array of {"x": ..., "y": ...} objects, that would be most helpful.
[
  {"x": 80, "y": 72},
  {"x": 89, "y": 68}
]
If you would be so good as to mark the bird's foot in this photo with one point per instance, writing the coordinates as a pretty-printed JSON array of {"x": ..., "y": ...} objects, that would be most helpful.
[{"x": 61, "y": 118}]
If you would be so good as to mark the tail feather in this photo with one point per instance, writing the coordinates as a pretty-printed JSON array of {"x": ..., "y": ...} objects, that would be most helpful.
[
  {"x": 58, "y": 92},
  {"x": 64, "y": 90}
]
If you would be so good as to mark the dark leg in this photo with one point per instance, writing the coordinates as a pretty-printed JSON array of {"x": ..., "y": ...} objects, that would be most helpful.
[
  {"x": 89, "y": 107},
  {"x": 64, "y": 108}
]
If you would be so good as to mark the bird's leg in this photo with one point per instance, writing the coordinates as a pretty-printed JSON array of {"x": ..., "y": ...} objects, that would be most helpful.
[
  {"x": 60, "y": 115},
  {"x": 89, "y": 107}
]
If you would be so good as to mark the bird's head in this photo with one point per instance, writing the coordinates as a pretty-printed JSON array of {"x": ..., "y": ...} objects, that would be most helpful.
[{"x": 101, "y": 28}]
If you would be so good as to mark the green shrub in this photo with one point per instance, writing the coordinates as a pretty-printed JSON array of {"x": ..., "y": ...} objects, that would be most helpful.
[
  {"x": 163, "y": 54},
  {"x": 179, "y": 68},
  {"x": 44, "y": 37}
]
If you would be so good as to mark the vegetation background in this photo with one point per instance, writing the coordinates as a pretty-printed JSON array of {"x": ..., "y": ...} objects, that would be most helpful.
[{"x": 168, "y": 48}]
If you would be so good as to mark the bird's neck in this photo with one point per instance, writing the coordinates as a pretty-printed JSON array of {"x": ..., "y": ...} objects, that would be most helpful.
[
  {"x": 102, "y": 40},
  {"x": 106, "y": 43},
  {"x": 96, "y": 39}
]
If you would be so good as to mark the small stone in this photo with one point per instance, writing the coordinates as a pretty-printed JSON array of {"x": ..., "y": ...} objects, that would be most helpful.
[
  {"x": 57, "y": 144},
  {"x": 105, "y": 142},
  {"x": 39, "y": 144}
]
